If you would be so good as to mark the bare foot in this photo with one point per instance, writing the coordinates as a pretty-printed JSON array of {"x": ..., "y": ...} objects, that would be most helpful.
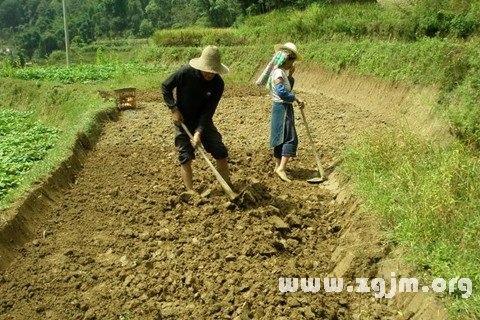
[{"x": 283, "y": 175}]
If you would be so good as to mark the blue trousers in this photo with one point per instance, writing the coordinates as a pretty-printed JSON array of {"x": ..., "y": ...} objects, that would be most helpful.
[{"x": 283, "y": 135}]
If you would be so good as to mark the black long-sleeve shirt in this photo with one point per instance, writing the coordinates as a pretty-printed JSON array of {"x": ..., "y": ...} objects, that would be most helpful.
[{"x": 196, "y": 98}]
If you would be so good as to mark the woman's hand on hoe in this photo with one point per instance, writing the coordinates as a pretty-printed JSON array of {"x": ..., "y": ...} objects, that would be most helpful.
[{"x": 301, "y": 103}]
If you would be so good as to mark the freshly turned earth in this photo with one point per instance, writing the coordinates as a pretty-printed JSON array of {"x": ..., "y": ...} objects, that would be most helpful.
[{"x": 125, "y": 241}]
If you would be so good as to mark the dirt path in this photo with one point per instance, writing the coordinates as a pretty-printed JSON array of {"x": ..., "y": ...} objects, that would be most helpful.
[{"x": 124, "y": 242}]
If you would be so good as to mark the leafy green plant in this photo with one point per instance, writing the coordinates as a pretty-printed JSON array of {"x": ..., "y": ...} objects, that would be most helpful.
[
  {"x": 9, "y": 64},
  {"x": 83, "y": 73},
  {"x": 23, "y": 142},
  {"x": 100, "y": 56}
]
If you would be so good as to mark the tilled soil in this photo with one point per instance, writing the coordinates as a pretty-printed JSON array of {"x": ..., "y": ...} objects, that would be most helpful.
[{"x": 125, "y": 241}]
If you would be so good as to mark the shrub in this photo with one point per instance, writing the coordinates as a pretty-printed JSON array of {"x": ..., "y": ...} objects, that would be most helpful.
[
  {"x": 197, "y": 37},
  {"x": 440, "y": 18}
]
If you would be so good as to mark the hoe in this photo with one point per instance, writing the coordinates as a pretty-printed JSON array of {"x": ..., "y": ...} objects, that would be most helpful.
[{"x": 321, "y": 172}]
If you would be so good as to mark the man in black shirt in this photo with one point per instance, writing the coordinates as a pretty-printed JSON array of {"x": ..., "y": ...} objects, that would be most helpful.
[{"x": 199, "y": 88}]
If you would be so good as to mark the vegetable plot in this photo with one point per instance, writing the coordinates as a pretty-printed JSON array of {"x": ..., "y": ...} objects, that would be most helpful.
[
  {"x": 81, "y": 73},
  {"x": 23, "y": 141}
]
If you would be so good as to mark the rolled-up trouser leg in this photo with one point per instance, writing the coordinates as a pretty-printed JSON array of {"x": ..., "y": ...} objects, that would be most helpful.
[
  {"x": 183, "y": 145},
  {"x": 212, "y": 141}
]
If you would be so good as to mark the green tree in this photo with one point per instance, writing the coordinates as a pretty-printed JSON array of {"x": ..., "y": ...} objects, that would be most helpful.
[
  {"x": 158, "y": 12},
  {"x": 219, "y": 13},
  {"x": 146, "y": 28},
  {"x": 116, "y": 11},
  {"x": 184, "y": 14},
  {"x": 28, "y": 41},
  {"x": 48, "y": 43},
  {"x": 11, "y": 14},
  {"x": 82, "y": 26},
  {"x": 135, "y": 15}
]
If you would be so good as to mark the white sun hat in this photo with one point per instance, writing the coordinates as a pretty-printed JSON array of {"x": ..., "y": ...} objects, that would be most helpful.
[
  {"x": 209, "y": 61},
  {"x": 290, "y": 47}
]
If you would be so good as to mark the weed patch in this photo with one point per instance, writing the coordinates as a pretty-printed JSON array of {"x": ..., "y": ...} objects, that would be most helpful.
[{"x": 430, "y": 200}]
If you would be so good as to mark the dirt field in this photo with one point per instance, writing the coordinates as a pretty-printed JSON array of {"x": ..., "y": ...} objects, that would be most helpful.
[{"x": 125, "y": 242}]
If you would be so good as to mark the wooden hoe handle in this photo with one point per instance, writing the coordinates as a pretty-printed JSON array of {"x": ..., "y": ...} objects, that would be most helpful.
[
  {"x": 312, "y": 144},
  {"x": 232, "y": 195}
]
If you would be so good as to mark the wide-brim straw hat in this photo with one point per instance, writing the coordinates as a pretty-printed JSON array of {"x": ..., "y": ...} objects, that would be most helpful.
[
  {"x": 290, "y": 47},
  {"x": 209, "y": 61}
]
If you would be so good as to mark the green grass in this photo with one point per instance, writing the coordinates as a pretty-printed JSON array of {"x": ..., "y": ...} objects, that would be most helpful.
[
  {"x": 422, "y": 62},
  {"x": 324, "y": 22},
  {"x": 192, "y": 37},
  {"x": 440, "y": 18},
  {"x": 430, "y": 201}
]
